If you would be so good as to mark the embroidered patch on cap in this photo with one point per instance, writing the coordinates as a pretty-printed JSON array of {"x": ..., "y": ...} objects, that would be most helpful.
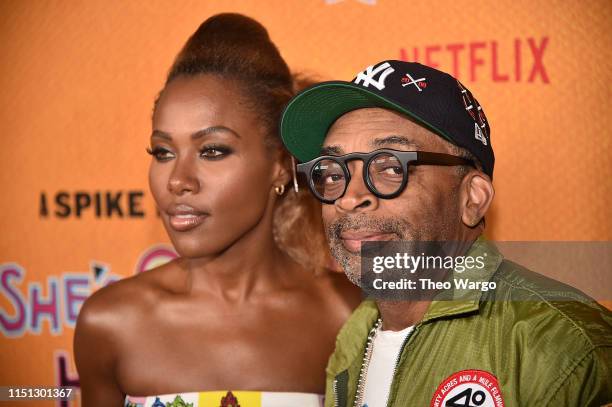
[
  {"x": 419, "y": 83},
  {"x": 468, "y": 388}
]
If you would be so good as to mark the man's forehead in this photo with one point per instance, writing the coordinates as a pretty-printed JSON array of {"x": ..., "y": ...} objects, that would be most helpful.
[{"x": 373, "y": 128}]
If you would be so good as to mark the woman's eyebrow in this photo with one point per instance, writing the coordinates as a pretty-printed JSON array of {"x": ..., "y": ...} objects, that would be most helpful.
[
  {"x": 213, "y": 129},
  {"x": 161, "y": 134},
  {"x": 197, "y": 134}
]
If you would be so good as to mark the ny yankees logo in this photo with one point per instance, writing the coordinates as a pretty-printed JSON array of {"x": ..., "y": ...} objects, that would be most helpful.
[
  {"x": 367, "y": 76},
  {"x": 473, "y": 108},
  {"x": 418, "y": 83}
]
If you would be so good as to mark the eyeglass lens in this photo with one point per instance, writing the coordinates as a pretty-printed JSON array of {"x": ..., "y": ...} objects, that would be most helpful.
[{"x": 385, "y": 171}]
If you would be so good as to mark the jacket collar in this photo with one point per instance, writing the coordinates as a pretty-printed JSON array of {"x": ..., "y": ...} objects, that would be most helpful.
[{"x": 467, "y": 301}]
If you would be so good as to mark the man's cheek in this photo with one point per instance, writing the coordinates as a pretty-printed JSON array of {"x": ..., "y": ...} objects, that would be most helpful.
[
  {"x": 328, "y": 214},
  {"x": 410, "y": 207}
]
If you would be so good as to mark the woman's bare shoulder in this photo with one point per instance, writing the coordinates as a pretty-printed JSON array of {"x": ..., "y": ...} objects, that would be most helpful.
[{"x": 114, "y": 305}]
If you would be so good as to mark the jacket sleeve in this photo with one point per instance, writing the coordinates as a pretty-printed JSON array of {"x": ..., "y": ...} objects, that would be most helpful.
[{"x": 588, "y": 384}]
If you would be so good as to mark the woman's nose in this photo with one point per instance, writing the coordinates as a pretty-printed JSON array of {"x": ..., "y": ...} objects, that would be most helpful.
[{"x": 184, "y": 178}]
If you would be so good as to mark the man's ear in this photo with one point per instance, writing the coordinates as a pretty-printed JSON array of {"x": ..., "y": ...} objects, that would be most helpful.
[{"x": 476, "y": 195}]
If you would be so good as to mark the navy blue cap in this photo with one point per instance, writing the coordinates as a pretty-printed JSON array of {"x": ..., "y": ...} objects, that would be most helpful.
[{"x": 432, "y": 98}]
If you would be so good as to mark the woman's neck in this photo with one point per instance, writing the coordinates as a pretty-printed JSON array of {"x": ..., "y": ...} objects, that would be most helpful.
[{"x": 253, "y": 263}]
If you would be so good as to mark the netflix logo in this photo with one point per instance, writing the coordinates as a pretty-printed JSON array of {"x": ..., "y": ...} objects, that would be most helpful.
[{"x": 520, "y": 60}]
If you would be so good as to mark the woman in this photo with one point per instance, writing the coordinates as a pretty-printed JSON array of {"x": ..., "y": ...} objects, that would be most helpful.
[{"x": 235, "y": 311}]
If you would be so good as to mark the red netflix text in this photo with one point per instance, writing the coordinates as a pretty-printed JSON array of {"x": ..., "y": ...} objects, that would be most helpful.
[{"x": 521, "y": 60}]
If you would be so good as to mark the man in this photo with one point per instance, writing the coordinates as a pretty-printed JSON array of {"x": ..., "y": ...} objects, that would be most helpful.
[{"x": 366, "y": 150}]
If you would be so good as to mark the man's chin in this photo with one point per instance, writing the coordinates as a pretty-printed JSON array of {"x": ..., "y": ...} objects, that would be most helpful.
[
  {"x": 350, "y": 264},
  {"x": 353, "y": 274}
]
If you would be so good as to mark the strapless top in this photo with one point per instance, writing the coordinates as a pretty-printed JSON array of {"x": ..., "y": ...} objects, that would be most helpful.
[{"x": 227, "y": 399}]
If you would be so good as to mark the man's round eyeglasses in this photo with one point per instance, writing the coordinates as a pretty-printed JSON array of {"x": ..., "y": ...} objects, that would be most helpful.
[{"x": 385, "y": 171}]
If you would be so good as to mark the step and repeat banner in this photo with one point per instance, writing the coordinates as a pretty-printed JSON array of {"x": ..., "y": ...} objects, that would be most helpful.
[{"x": 78, "y": 81}]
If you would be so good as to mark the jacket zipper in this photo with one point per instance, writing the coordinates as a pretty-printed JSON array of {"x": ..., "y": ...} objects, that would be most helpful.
[
  {"x": 335, "y": 388},
  {"x": 397, "y": 361},
  {"x": 340, "y": 385}
]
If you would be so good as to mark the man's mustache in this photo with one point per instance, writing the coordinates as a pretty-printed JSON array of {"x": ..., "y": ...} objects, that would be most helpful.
[{"x": 367, "y": 223}]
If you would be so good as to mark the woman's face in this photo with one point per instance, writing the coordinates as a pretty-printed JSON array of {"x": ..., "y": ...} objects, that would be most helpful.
[{"x": 211, "y": 175}]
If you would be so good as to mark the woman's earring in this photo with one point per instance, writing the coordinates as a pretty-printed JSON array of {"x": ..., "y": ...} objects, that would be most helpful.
[
  {"x": 295, "y": 183},
  {"x": 279, "y": 190}
]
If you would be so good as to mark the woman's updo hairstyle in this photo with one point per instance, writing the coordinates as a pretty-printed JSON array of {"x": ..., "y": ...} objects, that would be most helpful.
[{"x": 236, "y": 47}]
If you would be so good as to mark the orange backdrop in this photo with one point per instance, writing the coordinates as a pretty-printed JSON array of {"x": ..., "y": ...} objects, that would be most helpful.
[{"x": 77, "y": 83}]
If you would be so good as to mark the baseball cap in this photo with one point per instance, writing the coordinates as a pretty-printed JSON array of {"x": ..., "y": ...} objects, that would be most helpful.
[{"x": 430, "y": 97}]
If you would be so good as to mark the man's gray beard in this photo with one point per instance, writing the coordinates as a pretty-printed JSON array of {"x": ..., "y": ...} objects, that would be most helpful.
[{"x": 351, "y": 262}]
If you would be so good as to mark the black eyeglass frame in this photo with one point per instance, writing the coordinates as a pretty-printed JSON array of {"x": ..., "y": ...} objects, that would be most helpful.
[{"x": 406, "y": 158}]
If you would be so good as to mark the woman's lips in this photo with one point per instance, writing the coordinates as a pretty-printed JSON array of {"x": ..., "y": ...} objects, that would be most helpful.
[
  {"x": 184, "y": 217},
  {"x": 352, "y": 240},
  {"x": 185, "y": 222}
]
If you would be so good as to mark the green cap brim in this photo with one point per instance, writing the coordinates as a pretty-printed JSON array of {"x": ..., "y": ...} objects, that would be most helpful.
[{"x": 308, "y": 116}]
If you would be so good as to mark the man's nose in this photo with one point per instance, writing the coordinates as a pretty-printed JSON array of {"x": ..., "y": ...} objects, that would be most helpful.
[{"x": 357, "y": 197}]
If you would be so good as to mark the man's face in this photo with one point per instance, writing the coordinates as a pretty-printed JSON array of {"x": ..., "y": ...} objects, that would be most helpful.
[{"x": 427, "y": 210}]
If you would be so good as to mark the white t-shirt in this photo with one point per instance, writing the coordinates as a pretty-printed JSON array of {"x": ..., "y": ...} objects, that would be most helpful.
[{"x": 385, "y": 353}]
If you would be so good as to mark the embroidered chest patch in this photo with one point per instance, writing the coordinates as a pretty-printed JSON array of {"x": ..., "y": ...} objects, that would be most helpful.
[{"x": 468, "y": 388}]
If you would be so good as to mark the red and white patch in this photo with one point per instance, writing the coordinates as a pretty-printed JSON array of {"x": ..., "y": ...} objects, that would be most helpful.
[
  {"x": 419, "y": 83},
  {"x": 468, "y": 388}
]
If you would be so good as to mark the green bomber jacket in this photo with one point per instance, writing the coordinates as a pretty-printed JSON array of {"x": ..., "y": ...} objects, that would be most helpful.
[{"x": 539, "y": 343}]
